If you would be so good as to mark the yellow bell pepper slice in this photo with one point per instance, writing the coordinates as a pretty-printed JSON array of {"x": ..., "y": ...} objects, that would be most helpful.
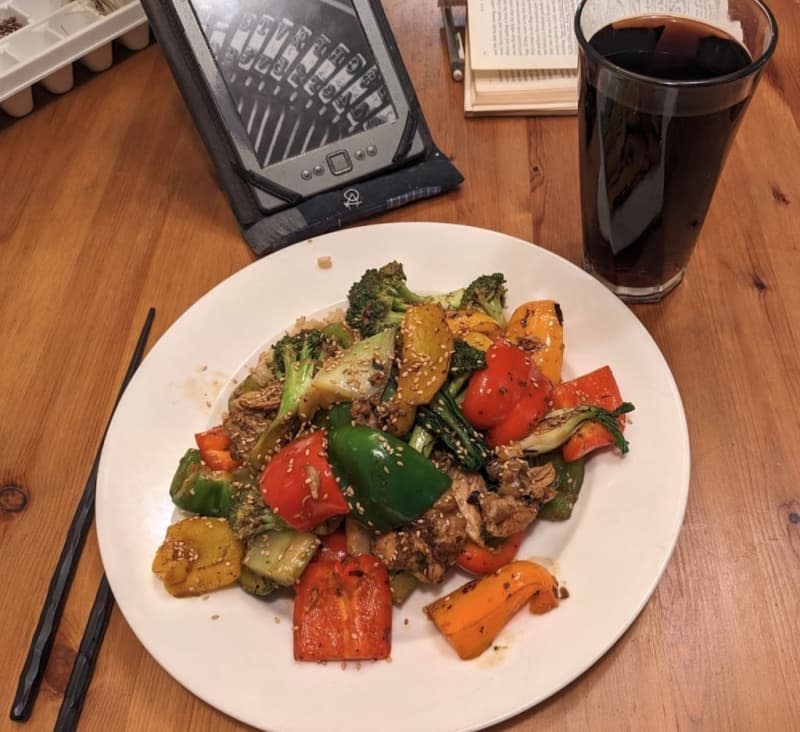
[
  {"x": 425, "y": 355},
  {"x": 199, "y": 554},
  {"x": 538, "y": 327},
  {"x": 474, "y": 327}
]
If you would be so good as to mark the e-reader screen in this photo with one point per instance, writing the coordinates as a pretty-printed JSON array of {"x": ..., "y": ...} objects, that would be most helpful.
[{"x": 301, "y": 74}]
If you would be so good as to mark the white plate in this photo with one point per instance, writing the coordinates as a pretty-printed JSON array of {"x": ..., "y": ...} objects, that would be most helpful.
[{"x": 610, "y": 555}]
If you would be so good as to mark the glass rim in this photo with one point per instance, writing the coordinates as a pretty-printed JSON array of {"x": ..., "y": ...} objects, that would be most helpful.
[{"x": 742, "y": 73}]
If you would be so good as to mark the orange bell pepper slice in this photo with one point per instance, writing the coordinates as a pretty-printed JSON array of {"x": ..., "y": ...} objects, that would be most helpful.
[
  {"x": 598, "y": 388},
  {"x": 471, "y": 617},
  {"x": 214, "y": 445}
]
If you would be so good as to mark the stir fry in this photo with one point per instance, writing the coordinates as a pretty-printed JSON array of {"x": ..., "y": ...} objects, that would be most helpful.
[{"x": 403, "y": 437}]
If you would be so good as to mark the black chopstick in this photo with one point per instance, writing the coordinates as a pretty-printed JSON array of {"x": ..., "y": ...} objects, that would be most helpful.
[
  {"x": 83, "y": 668},
  {"x": 42, "y": 643}
]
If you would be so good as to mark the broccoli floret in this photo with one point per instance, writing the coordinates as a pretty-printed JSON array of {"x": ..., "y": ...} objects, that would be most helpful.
[
  {"x": 463, "y": 362},
  {"x": 381, "y": 297},
  {"x": 249, "y": 515},
  {"x": 444, "y": 421},
  {"x": 487, "y": 293},
  {"x": 295, "y": 356},
  {"x": 465, "y": 359}
]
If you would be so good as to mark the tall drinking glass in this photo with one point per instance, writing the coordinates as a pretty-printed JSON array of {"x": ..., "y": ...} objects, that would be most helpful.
[{"x": 662, "y": 94}]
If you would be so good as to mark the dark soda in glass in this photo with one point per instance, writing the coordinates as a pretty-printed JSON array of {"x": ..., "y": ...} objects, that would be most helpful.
[{"x": 652, "y": 146}]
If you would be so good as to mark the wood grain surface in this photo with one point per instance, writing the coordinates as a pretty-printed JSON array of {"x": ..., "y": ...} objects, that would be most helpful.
[{"x": 108, "y": 206}]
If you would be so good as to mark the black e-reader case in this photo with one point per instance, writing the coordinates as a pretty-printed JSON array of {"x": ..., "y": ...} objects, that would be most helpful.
[{"x": 305, "y": 108}]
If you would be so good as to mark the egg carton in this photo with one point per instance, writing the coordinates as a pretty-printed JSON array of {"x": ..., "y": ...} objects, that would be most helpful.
[{"x": 40, "y": 40}]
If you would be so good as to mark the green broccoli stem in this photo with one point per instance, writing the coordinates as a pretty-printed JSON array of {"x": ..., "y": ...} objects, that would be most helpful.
[
  {"x": 421, "y": 440},
  {"x": 454, "y": 386},
  {"x": 298, "y": 378},
  {"x": 407, "y": 296},
  {"x": 297, "y": 358},
  {"x": 448, "y": 300}
]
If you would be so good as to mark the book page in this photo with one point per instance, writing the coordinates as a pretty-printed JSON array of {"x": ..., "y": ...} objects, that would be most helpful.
[
  {"x": 518, "y": 92},
  {"x": 715, "y": 12},
  {"x": 507, "y": 83},
  {"x": 509, "y": 34},
  {"x": 539, "y": 34}
]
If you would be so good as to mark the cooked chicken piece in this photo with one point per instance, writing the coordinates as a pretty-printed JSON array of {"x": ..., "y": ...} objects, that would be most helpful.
[
  {"x": 467, "y": 489},
  {"x": 364, "y": 411},
  {"x": 504, "y": 516},
  {"x": 263, "y": 400},
  {"x": 515, "y": 477},
  {"x": 521, "y": 490},
  {"x": 507, "y": 452},
  {"x": 429, "y": 546},
  {"x": 249, "y": 415},
  {"x": 378, "y": 414}
]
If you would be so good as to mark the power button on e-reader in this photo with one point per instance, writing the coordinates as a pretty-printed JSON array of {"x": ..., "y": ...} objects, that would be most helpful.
[{"x": 339, "y": 162}]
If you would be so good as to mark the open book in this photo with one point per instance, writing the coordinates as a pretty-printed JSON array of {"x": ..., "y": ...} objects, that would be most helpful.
[{"x": 521, "y": 57}]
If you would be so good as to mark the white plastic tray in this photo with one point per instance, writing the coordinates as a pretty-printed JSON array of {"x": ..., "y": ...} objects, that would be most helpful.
[{"x": 56, "y": 33}]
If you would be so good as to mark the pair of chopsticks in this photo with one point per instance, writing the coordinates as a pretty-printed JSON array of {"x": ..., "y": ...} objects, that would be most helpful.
[{"x": 42, "y": 643}]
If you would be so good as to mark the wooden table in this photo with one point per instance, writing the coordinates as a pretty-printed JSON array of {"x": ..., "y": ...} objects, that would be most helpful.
[{"x": 108, "y": 206}]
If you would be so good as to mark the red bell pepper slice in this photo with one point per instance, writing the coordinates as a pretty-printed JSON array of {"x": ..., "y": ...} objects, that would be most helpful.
[
  {"x": 509, "y": 397},
  {"x": 478, "y": 559},
  {"x": 333, "y": 547},
  {"x": 214, "y": 446},
  {"x": 298, "y": 484},
  {"x": 598, "y": 388},
  {"x": 343, "y": 611}
]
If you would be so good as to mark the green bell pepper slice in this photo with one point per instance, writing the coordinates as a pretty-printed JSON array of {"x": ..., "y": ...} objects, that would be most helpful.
[
  {"x": 198, "y": 489},
  {"x": 340, "y": 415},
  {"x": 386, "y": 483},
  {"x": 568, "y": 482}
]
